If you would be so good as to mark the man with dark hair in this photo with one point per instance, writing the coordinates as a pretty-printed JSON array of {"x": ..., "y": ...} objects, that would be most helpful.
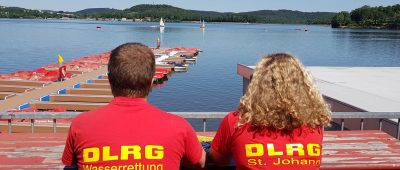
[{"x": 129, "y": 133}]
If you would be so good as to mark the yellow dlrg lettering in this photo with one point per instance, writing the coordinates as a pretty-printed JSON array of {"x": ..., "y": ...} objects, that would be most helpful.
[
  {"x": 254, "y": 150},
  {"x": 154, "y": 152},
  {"x": 313, "y": 149},
  {"x": 94, "y": 154},
  {"x": 107, "y": 156},
  {"x": 290, "y": 148},
  {"x": 130, "y": 150},
  {"x": 272, "y": 152},
  {"x": 91, "y": 154}
]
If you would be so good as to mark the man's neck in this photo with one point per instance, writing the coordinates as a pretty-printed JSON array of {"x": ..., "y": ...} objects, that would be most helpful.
[{"x": 132, "y": 97}]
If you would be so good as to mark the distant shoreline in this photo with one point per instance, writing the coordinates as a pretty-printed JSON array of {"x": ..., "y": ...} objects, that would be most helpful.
[
  {"x": 197, "y": 22},
  {"x": 194, "y": 22},
  {"x": 366, "y": 27},
  {"x": 148, "y": 12}
]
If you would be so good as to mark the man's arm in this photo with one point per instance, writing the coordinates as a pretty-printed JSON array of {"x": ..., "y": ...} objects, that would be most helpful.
[
  {"x": 195, "y": 156},
  {"x": 199, "y": 165},
  {"x": 69, "y": 158}
]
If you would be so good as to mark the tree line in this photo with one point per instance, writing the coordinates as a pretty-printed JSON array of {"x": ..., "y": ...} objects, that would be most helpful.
[
  {"x": 364, "y": 17},
  {"x": 170, "y": 13},
  {"x": 15, "y": 12},
  {"x": 369, "y": 17}
]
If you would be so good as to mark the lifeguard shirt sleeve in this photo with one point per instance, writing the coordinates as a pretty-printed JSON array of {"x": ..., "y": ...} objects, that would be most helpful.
[
  {"x": 68, "y": 157},
  {"x": 193, "y": 149},
  {"x": 222, "y": 140}
]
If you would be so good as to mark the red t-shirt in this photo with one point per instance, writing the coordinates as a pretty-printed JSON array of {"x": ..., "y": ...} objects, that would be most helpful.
[
  {"x": 130, "y": 134},
  {"x": 268, "y": 149}
]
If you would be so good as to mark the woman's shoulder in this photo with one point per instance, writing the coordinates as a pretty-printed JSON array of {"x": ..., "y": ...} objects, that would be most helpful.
[
  {"x": 233, "y": 114},
  {"x": 317, "y": 129},
  {"x": 232, "y": 117},
  {"x": 305, "y": 131}
]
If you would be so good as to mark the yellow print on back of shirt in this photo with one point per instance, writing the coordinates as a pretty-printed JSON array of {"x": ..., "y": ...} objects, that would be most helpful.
[
  {"x": 259, "y": 150},
  {"x": 136, "y": 166},
  {"x": 126, "y": 152}
]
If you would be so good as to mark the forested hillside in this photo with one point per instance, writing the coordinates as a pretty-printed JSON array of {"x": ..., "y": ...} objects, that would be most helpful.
[
  {"x": 369, "y": 17},
  {"x": 147, "y": 12}
]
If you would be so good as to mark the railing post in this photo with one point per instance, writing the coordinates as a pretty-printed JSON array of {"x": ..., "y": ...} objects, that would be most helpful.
[
  {"x": 33, "y": 125},
  {"x": 9, "y": 126},
  {"x": 54, "y": 125},
  {"x": 342, "y": 125},
  {"x": 398, "y": 129},
  {"x": 362, "y": 125},
  {"x": 380, "y": 124},
  {"x": 204, "y": 125}
]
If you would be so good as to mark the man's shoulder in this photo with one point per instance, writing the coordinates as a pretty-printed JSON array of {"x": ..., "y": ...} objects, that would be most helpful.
[
  {"x": 90, "y": 114},
  {"x": 171, "y": 118},
  {"x": 162, "y": 113}
]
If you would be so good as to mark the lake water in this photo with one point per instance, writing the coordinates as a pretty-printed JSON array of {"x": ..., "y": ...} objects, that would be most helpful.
[{"x": 212, "y": 83}]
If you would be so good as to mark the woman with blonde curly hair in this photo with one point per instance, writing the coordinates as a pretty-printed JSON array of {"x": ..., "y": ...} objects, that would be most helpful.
[{"x": 279, "y": 121}]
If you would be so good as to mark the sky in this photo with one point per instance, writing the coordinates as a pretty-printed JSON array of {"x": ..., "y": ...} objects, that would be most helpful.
[{"x": 206, "y": 5}]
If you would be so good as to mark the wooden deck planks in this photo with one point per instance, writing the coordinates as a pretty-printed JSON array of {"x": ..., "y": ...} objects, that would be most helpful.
[
  {"x": 89, "y": 91},
  {"x": 81, "y": 98},
  {"x": 341, "y": 150},
  {"x": 70, "y": 106},
  {"x": 36, "y": 94},
  {"x": 15, "y": 89},
  {"x": 100, "y": 81},
  {"x": 96, "y": 85},
  {"x": 4, "y": 95},
  {"x": 22, "y": 83},
  {"x": 31, "y": 151}
]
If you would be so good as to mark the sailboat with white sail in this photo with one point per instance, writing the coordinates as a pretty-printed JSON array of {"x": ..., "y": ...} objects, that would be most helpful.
[
  {"x": 162, "y": 23},
  {"x": 203, "y": 25}
]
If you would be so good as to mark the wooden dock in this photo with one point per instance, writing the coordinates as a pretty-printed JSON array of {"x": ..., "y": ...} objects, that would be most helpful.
[
  {"x": 341, "y": 150},
  {"x": 86, "y": 89},
  {"x": 36, "y": 94}
]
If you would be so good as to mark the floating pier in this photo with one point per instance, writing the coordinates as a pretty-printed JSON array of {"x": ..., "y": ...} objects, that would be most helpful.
[{"x": 85, "y": 86}]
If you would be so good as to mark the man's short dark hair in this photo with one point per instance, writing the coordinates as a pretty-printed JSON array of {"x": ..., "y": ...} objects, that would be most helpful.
[{"x": 130, "y": 70}]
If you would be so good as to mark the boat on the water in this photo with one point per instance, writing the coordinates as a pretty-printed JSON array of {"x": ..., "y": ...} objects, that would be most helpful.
[
  {"x": 177, "y": 66},
  {"x": 162, "y": 24},
  {"x": 203, "y": 25}
]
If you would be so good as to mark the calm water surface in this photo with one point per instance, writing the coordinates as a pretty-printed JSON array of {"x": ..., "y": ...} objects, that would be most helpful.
[{"x": 212, "y": 83}]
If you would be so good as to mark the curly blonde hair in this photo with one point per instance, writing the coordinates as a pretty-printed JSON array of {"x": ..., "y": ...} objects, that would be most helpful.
[{"x": 282, "y": 96}]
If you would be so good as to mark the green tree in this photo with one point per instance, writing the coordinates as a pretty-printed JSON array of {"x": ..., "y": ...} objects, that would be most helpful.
[
  {"x": 341, "y": 20},
  {"x": 370, "y": 17}
]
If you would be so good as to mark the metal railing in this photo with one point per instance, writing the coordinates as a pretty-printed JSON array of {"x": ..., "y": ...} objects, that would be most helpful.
[{"x": 10, "y": 116}]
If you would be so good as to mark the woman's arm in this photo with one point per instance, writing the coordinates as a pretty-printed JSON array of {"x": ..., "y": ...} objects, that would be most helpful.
[
  {"x": 219, "y": 159},
  {"x": 220, "y": 151}
]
